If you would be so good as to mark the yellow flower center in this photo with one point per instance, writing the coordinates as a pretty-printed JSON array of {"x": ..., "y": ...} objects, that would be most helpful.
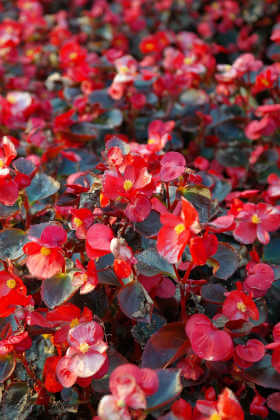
[
  {"x": 123, "y": 69},
  {"x": 73, "y": 56},
  {"x": 215, "y": 416},
  {"x": 152, "y": 141},
  {"x": 179, "y": 228},
  {"x": 11, "y": 99},
  {"x": 150, "y": 46},
  {"x": 78, "y": 222},
  {"x": 11, "y": 283},
  {"x": 45, "y": 251},
  {"x": 188, "y": 60},
  {"x": 74, "y": 323},
  {"x": 1, "y": 163},
  {"x": 84, "y": 347},
  {"x": 265, "y": 82},
  {"x": 241, "y": 306},
  {"x": 255, "y": 219},
  {"x": 127, "y": 185},
  {"x": 29, "y": 53},
  {"x": 120, "y": 404}
]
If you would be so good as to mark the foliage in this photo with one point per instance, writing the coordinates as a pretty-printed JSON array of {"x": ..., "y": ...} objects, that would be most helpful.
[{"x": 139, "y": 209}]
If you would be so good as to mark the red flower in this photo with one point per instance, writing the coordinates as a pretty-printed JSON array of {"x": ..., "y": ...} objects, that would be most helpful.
[
  {"x": 129, "y": 386},
  {"x": 132, "y": 186},
  {"x": 98, "y": 240},
  {"x": 159, "y": 134},
  {"x": 172, "y": 166},
  {"x": 159, "y": 286},
  {"x": 72, "y": 54},
  {"x": 226, "y": 408},
  {"x": 12, "y": 293},
  {"x": 257, "y": 407},
  {"x": 86, "y": 355},
  {"x": 87, "y": 279},
  {"x": 239, "y": 306},
  {"x": 51, "y": 383},
  {"x": 274, "y": 186},
  {"x": 201, "y": 248},
  {"x": 65, "y": 317},
  {"x": 259, "y": 280},
  {"x": 176, "y": 232},
  {"x": 208, "y": 342},
  {"x": 251, "y": 352},
  {"x": 45, "y": 257},
  {"x": 254, "y": 221},
  {"x": 81, "y": 221}
]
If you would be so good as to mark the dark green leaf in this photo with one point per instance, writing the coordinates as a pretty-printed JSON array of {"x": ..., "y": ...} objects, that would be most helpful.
[
  {"x": 271, "y": 251},
  {"x": 11, "y": 243},
  {"x": 142, "y": 331},
  {"x": 200, "y": 197},
  {"x": 169, "y": 388},
  {"x": 227, "y": 259},
  {"x": 42, "y": 186},
  {"x": 109, "y": 119},
  {"x": 163, "y": 345},
  {"x": 135, "y": 302},
  {"x": 233, "y": 157},
  {"x": 263, "y": 374},
  {"x": 150, "y": 263},
  {"x": 17, "y": 404},
  {"x": 214, "y": 293},
  {"x": 7, "y": 366},
  {"x": 58, "y": 289},
  {"x": 150, "y": 226}
]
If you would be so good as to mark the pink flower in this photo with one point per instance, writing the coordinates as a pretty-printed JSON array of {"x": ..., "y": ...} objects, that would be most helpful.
[
  {"x": 259, "y": 280},
  {"x": 86, "y": 355},
  {"x": 129, "y": 386},
  {"x": 255, "y": 221}
]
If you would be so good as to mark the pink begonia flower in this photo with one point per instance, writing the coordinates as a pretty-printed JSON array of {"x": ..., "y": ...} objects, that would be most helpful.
[{"x": 255, "y": 221}]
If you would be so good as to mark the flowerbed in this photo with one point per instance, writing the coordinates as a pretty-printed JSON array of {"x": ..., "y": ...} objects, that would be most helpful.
[{"x": 139, "y": 209}]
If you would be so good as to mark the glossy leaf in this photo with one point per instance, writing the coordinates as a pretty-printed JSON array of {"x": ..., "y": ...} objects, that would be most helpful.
[
  {"x": 169, "y": 388},
  {"x": 151, "y": 263},
  {"x": 58, "y": 289},
  {"x": 135, "y": 302},
  {"x": 228, "y": 261},
  {"x": 263, "y": 374},
  {"x": 11, "y": 243},
  {"x": 163, "y": 345},
  {"x": 7, "y": 366},
  {"x": 42, "y": 186}
]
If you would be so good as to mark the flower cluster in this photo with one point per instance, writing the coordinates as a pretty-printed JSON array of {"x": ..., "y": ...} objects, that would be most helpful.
[{"x": 140, "y": 209}]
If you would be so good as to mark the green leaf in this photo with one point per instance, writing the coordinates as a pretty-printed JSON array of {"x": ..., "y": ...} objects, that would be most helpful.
[
  {"x": 200, "y": 197},
  {"x": 227, "y": 259},
  {"x": 142, "y": 331},
  {"x": 150, "y": 263},
  {"x": 11, "y": 243},
  {"x": 110, "y": 119},
  {"x": 42, "y": 186},
  {"x": 214, "y": 293},
  {"x": 17, "y": 404},
  {"x": 169, "y": 388},
  {"x": 58, "y": 289},
  {"x": 150, "y": 226},
  {"x": 163, "y": 345},
  {"x": 271, "y": 251},
  {"x": 263, "y": 374},
  {"x": 135, "y": 302},
  {"x": 7, "y": 366},
  {"x": 233, "y": 157}
]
